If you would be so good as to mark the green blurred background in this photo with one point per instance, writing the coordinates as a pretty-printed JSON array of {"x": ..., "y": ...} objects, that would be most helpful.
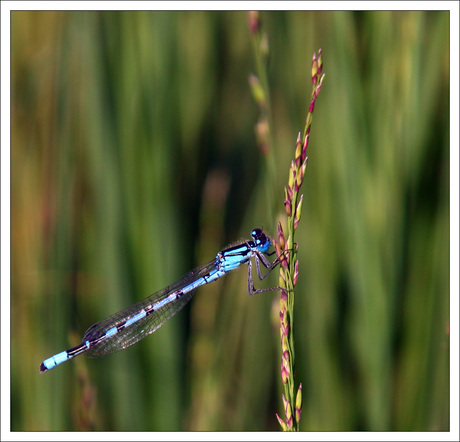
[{"x": 133, "y": 160}]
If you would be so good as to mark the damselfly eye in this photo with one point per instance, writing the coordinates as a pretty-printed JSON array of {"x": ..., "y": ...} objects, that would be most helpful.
[{"x": 257, "y": 234}]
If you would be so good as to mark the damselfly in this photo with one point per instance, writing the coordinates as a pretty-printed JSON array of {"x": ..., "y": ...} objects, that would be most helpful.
[{"x": 134, "y": 323}]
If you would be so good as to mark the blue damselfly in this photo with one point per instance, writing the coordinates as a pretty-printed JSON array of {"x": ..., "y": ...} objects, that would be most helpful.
[{"x": 134, "y": 323}]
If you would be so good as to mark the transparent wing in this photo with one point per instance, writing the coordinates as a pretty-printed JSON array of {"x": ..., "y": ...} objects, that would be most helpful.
[{"x": 102, "y": 345}]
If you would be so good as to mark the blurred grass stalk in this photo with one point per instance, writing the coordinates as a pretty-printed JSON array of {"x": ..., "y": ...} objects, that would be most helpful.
[{"x": 260, "y": 92}]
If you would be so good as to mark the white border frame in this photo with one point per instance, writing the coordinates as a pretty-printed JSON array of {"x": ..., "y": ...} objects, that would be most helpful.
[{"x": 8, "y": 6}]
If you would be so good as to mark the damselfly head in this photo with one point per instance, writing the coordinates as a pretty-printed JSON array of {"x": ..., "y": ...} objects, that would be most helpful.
[{"x": 261, "y": 240}]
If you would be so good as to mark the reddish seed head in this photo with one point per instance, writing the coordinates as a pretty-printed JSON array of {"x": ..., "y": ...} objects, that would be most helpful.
[
  {"x": 282, "y": 274},
  {"x": 284, "y": 330},
  {"x": 298, "y": 151},
  {"x": 288, "y": 207},
  {"x": 290, "y": 192},
  {"x": 296, "y": 223},
  {"x": 283, "y": 309},
  {"x": 287, "y": 411},
  {"x": 305, "y": 144},
  {"x": 284, "y": 296},
  {"x": 281, "y": 240},
  {"x": 285, "y": 403},
  {"x": 303, "y": 168},
  {"x": 283, "y": 425},
  {"x": 284, "y": 327},
  {"x": 292, "y": 174},
  {"x": 298, "y": 404},
  {"x": 277, "y": 248},
  {"x": 284, "y": 260},
  {"x": 286, "y": 357},
  {"x": 320, "y": 62},
  {"x": 284, "y": 374},
  {"x": 298, "y": 142},
  {"x": 298, "y": 212},
  {"x": 253, "y": 21},
  {"x": 296, "y": 272},
  {"x": 298, "y": 414},
  {"x": 314, "y": 69}
]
